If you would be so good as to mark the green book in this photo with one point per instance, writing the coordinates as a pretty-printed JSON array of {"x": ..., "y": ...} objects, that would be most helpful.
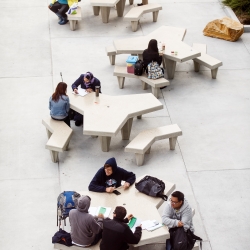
[
  {"x": 132, "y": 222},
  {"x": 102, "y": 210}
]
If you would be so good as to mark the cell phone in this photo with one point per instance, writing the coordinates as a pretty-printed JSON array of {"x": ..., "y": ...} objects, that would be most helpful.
[{"x": 116, "y": 192}]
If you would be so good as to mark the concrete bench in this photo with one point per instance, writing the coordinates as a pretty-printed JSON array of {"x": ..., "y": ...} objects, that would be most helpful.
[
  {"x": 111, "y": 53},
  {"x": 142, "y": 143},
  {"x": 135, "y": 14},
  {"x": 121, "y": 73},
  {"x": 74, "y": 247},
  {"x": 59, "y": 134},
  {"x": 206, "y": 60},
  {"x": 73, "y": 19}
]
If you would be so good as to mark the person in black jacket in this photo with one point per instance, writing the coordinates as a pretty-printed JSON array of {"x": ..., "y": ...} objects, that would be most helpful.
[
  {"x": 151, "y": 54},
  {"x": 110, "y": 176},
  {"x": 116, "y": 233},
  {"x": 89, "y": 83}
]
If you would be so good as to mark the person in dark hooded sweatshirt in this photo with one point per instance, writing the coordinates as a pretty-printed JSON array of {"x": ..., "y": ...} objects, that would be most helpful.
[
  {"x": 117, "y": 234},
  {"x": 85, "y": 229},
  {"x": 110, "y": 176}
]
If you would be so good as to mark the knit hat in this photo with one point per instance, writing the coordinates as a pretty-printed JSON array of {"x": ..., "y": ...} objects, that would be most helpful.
[{"x": 83, "y": 204}]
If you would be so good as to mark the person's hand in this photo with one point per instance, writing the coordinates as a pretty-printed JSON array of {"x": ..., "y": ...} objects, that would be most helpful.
[
  {"x": 180, "y": 224},
  {"x": 50, "y": 5},
  {"x": 110, "y": 189},
  {"x": 89, "y": 90},
  {"x": 75, "y": 90},
  {"x": 126, "y": 185},
  {"x": 130, "y": 216},
  {"x": 100, "y": 216}
]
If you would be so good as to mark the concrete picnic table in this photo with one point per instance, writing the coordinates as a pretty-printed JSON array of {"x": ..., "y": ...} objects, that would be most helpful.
[
  {"x": 140, "y": 205},
  {"x": 106, "y": 115}
]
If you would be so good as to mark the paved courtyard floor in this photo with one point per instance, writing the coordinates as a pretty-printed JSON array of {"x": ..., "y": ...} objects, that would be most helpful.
[{"x": 211, "y": 163}]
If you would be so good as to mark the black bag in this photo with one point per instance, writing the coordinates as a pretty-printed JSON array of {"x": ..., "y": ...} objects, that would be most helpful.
[
  {"x": 181, "y": 240},
  {"x": 178, "y": 238},
  {"x": 151, "y": 186},
  {"x": 139, "y": 66},
  {"x": 62, "y": 237}
]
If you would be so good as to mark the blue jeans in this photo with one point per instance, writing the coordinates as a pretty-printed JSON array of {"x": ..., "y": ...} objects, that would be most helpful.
[{"x": 168, "y": 245}]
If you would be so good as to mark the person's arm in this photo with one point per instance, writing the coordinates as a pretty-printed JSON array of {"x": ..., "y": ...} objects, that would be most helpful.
[
  {"x": 128, "y": 177},
  {"x": 67, "y": 105},
  {"x": 77, "y": 83},
  {"x": 96, "y": 226},
  {"x": 186, "y": 218},
  {"x": 96, "y": 184},
  {"x": 166, "y": 217},
  {"x": 50, "y": 103},
  {"x": 132, "y": 238}
]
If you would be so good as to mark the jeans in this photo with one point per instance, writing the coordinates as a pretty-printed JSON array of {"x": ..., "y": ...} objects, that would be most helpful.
[
  {"x": 60, "y": 9},
  {"x": 168, "y": 245},
  {"x": 66, "y": 120}
]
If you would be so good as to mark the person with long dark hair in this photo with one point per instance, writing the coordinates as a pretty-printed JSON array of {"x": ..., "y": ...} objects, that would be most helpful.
[
  {"x": 151, "y": 54},
  {"x": 59, "y": 104}
]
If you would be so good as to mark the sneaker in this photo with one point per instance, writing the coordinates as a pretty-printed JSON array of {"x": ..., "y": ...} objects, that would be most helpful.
[
  {"x": 78, "y": 123},
  {"x": 139, "y": 4},
  {"x": 64, "y": 21}
]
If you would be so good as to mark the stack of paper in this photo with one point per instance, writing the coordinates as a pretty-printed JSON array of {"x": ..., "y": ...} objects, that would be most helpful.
[
  {"x": 150, "y": 225},
  {"x": 100, "y": 210},
  {"x": 81, "y": 92}
]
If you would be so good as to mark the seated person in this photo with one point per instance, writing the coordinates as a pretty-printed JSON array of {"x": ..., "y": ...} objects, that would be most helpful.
[
  {"x": 177, "y": 213},
  {"x": 60, "y": 8},
  {"x": 85, "y": 229},
  {"x": 151, "y": 54},
  {"x": 89, "y": 83},
  {"x": 117, "y": 234},
  {"x": 110, "y": 176},
  {"x": 59, "y": 104}
]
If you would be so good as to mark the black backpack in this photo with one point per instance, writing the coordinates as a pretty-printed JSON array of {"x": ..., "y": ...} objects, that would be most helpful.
[
  {"x": 65, "y": 202},
  {"x": 151, "y": 186},
  {"x": 139, "y": 67},
  {"x": 181, "y": 240},
  {"x": 62, "y": 237}
]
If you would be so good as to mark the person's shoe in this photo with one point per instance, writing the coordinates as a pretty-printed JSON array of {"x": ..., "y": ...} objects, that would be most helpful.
[
  {"x": 78, "y": 123},
  {"x": 139, "y": 4},
  {"x": 60, "y": 17},
  {"x": 163, "y": 87},
  {"x": 64, "y": 21}
]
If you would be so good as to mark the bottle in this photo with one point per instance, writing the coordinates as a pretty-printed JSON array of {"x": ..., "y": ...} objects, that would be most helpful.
[{"x": 97, "y": 89}]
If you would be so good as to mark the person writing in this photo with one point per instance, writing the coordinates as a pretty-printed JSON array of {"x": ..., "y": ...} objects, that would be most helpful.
[
  {"x": 88, "y": 82},
  {"x": 109, "y": 177},
  {"x": 59, "y": 104},
  {"x": 116, "y": 233}
]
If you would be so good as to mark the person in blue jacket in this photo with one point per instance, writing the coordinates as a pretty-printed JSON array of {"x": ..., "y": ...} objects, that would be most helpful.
[
  {"x": 88, "y": 82},
  {"x": 110, "y": 176}
]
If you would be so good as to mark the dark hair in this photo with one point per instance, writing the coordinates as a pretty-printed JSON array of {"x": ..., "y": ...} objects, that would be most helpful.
[
  {"x": 179, "y": 195},
  {"x": 152, "y": 46},
  {"x": 60, "y": 90},
  {"x": 107, "y": 166},
  {"x": 120, "y": 212}
]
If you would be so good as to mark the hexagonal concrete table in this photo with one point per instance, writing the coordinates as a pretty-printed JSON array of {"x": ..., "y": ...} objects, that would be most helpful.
[
  {"x": 140, "y": 205},
  {"x": 105, "y": 116}
]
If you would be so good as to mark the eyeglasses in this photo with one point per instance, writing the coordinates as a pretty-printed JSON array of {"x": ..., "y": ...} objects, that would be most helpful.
[{"x": 174, "y": 202}]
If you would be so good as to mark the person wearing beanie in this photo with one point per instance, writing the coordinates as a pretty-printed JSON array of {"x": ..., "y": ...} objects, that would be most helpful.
[
  {"x": 60, "y": 8},
  {"x": 88, "y": 82},
  {"x": 117, "y": 234},
  {"x": 110, "y": 177},
  {"x": 85, "y": 229}
]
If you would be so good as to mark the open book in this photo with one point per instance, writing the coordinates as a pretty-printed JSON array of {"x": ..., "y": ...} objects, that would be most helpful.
[
  {"x": 100, "y": 210},
  {"x": 81, "y": 92}
]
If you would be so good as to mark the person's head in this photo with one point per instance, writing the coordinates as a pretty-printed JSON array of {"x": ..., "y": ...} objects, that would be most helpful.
[
  {"x": 152, "y": 46},
  {"x": 119, "y": 213},
  {"x": 83, "y": 203},
  {"x": 61, "y": 89},
  {"x": 88, "y": 77},
  {"x": 177, "y": 199},
  {"x": 110, "y": 166}
]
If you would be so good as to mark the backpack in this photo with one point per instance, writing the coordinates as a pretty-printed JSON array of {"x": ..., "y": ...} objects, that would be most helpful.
[
  {"x": 154, "y": 71},
  {"x": 65, "y": 202},
  {"x": 62, "y": 237},
  {"x": 181, "y": 240},
  {"x": 151, "y": 186},
  {"x": 139, "y": 67}
]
